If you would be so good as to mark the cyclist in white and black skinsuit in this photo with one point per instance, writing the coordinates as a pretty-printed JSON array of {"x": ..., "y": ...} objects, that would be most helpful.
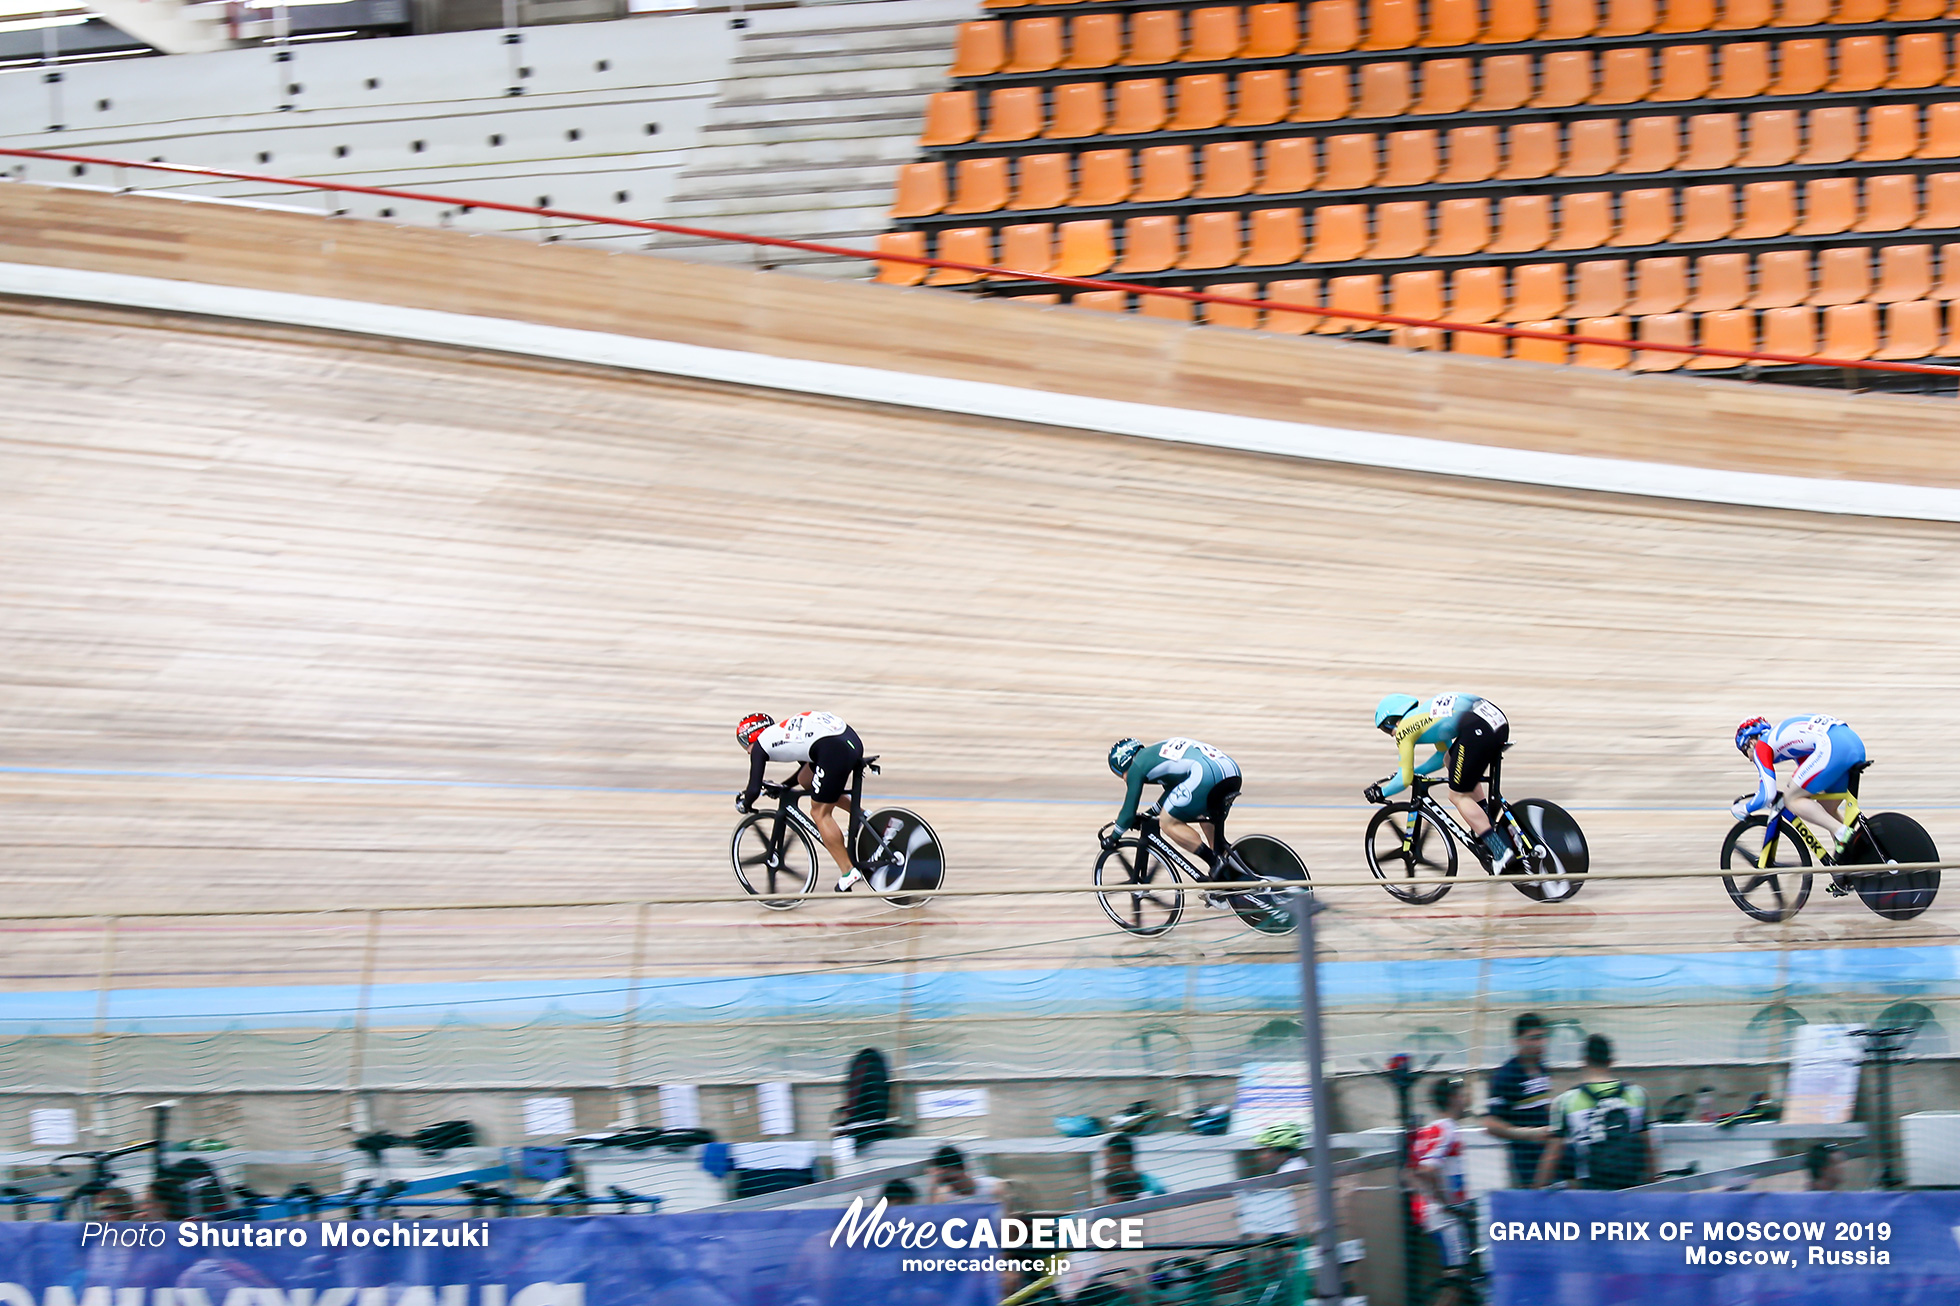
[{"x": 829, "y": 752}]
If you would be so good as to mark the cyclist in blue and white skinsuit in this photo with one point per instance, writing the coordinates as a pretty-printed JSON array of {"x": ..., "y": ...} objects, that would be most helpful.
[
  {"x": 1200, "y": 784},
  {"x": 1825, "y": 750}
]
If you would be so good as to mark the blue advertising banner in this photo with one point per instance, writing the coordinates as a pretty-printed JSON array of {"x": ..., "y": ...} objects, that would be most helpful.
[
  {"x": 1711, "y": 1249},
  {"x": 763, "y": 1258}
]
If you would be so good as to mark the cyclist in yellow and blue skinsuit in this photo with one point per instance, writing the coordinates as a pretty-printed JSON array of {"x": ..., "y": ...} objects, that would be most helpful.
[
  {"x": 1200, "y": 784},
  {"x": 1469, "y": 733}
]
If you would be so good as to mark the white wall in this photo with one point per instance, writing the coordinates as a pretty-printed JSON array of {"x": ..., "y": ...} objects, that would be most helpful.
[{"x": 361, "y": 107}]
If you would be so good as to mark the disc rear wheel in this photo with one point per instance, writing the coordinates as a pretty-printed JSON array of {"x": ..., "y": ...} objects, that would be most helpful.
[
  {"x": 1262, "y": 857},
  {"x": 1557, "y": 847},
  {"x": 1894, "y": 837},
  {"x": 762, "y": 871},
  {"x": 1772, "y": 888},
  {"x": 1145, "y": 896},
  {"x": 899, "y": 851}
]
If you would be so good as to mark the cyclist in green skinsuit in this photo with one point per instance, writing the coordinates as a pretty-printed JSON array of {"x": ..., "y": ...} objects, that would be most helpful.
[
  {"x": 1199, "y": 782},
  {"x": 1466, "y": 731}
]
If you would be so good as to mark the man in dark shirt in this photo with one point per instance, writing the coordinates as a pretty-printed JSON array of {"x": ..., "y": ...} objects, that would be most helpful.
[{"x": 1520, "y": 1108}]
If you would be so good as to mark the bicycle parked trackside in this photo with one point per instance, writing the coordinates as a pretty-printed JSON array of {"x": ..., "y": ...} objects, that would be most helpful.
[
  {"x": 1773, "y": 879},
  {"x": 1144, "y": 874},
  {"x": 775, "y": 848},
  {"x": 1412, "y": 846}
]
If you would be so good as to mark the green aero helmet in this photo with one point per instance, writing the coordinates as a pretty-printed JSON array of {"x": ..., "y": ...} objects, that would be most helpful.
[
  {"x": 1122, "y": 753},
  {"x": 1286, "y": 1137},
  {"x": 1392, "y": 709}
]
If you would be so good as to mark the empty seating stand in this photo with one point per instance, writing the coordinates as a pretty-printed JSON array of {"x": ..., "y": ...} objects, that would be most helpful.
[{"x": 1774, "y": 175}]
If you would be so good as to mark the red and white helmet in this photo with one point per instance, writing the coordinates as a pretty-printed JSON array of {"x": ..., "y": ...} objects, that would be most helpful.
[
  {"x": 750, "y": 726},
  {"x": 1754, "y": 728}
]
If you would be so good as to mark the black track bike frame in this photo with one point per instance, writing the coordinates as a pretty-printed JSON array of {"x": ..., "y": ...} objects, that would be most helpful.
[
  {"x": 788, "y": 793},
  {"x": 1444, "y": 815}
]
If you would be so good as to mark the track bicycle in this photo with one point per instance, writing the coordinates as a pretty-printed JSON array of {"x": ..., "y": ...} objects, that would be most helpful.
[
  {"x": 775, "y": 848},
  {"x": 1771, "y": 854},
  {"x": 1144, "y": 874},
  {"x": 1412, "y": 845}
]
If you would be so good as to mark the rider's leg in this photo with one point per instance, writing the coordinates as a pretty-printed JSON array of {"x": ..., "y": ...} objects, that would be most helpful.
[
  {"x": 1827, "y": 771},
  {"x": 833, "y": 836},
  {"x": 834, "y": 761},
  {"x": 1470, "y": 807},
  {"x": 1477, "y": 745},
  {"x": 1194, "y": 837},
  {"x": 1814, "y": 813}
]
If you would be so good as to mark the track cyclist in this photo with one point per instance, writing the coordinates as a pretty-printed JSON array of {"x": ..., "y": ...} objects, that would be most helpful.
[
  {"x": 1469, "y": 733},
  {"x": 1200, "y": 784},
  {"x": 828, "y": 751},
  {"x": 1825, "y": 750}
]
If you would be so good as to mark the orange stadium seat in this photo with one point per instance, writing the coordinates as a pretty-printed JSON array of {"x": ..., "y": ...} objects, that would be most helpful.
[
  {"x": 1714, "y": 141},
  {"x": 1773, "y": 139},
  {"x": 1271, "y": 31},
  {"x": 1864, "y": 63},
  {"x": 1264, "y": 97},
  {"x": 1228, "y": 171},
  {"x": 1333, "y": 26},
  {"x": 1568, "y": 20},
  {"x": 1802, "y": 67},
  {"x": 1452, "y": 22},
  {"x": 1201, "y": 103},
  {"x": 1175, "y": 310},
  {"x": 1041, "y": 182},
  {"x": 1610, "y": 328},
  {"x": 1348, "y": 162},
  {"x": 962, "y": 245},
  {"x": 952, "y": 118},
  {"x": 1537, "y": 293},
  {"x": 1745, "y": 15},
  {"x": 1506, "y": 83},
  {"x": 1684, "y": 73},
  {"x": 1163, "y": 174},
  {"x": 1477, "y": 296},
  {"x": 1921, "y": 60},
  {"x": 1385, "y": 91},
  {"x": 1850, "y": 331},
  {"x": 1940, "y": 210},
  {"x": 1156, "y": 37},
  {"x": 1803, "y": 13},
  {"x": 1599, "y": 288},
  {"x": 1085, "y": 248},
  {"x": 1782, "y": 279},
  {"x": 1509, "y": 21},
  {"x": 1524, "y": 224},
  {"x": 1306, "y": 293},
  {"x": 1628, "y": 18},
  {"x": 1412, "y": 158},
  {"x": 1733, "y": 328},
  {"x": 1948, "y": 286},
  {"x": 1401, "y": 229},
  {"x": 1001, "y": 4},
  {"x": 1861, "y": 11},
  {"x": 1212, "y": 240},
  {"x": 1094, "y": 41},
  {"x": 1416, "y": 294},
  {"x": 1769, "y": 208},
  {"x": 1462, "y": 227},
  {"x": 1830, "y": 206},
  {"x": 1340, "y": 233},
  {"x": 1664, "y": 329},
  {"x": 1660, "y": 285},
  {"x": 1890, "y": 204},
  {"x": 1626, "y": 76},
  {"x": 1891, "y": 132},
  {"x": 1079, "y": 111},
  {"x": 1447, "y": 86},
  {"x": 1027, "y": 247},
  {"x": 979, "y": 49},
  {"x": 1905, "y": 272},
  {"x": 1104, "y": 178},
  {"x": 1323, "y": 94},
  {"x": 1790, "y": 331},
  {"x": 1360, "y": 294},
  {"x": 1013, "y": 114},
  {"x": 1912, "y": 330},
  {"x": 1707, "y": 214},
  {"x": 1150, "y": 244},
  {"x": 1531, "y": 152},
  {"x": 1653, "y": 145},
  {"x": 1473, "y": 155},
  {"x": 1831, "y": 135},
  {"x": 1276, "y": 237},
  {"x": 1745, "y": 71},
  {"x": 1109, "y": 301},
  {"x": 1646, "y": 218},
  {"x": 1532, "y": 349},
  {"x": 1565, "y": 78},
  {"x": 902, "y": 242},
  {"x": 1918, "y": 11},
  {"x": 1480, "y": 344},
  {"x": 1215, "y": 34},
  {"x": 1286, "y": 167},
  {"x": 1139, "y": 107},
  {"x": 1686, "y": 16},
  {"x": 1844, "y": 276},
  {"x": 979, "y": 186},
  {"x": 1233, "y": 315},
  {"x": 921, "y": 190},
  {"x": 1036, "y": 45},
  {"x": 1585, "y": 221},
  {"x": 1392, "y": 25}
]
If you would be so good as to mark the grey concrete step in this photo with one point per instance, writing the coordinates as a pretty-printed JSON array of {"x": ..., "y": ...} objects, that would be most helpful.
[
  {"x": 819, "y": 62},
  {"x": 846, "y": 82},
  {"x": 875, "y": 179}
]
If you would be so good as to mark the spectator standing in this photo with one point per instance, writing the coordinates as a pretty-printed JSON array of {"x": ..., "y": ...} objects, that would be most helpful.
[
  {"x": 953, "y": 1182},
  {"x": 1121, "y": 1179},
  {"x": 1520, "y": 1106},
  {"x": 1826, "y": 1166},
  {"x": 1603, "y": 1125},
  {"x": 1439, "y": 1194}
]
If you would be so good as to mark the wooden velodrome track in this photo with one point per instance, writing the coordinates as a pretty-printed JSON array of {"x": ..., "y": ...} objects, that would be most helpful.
[{"x": 525, "y": 603}]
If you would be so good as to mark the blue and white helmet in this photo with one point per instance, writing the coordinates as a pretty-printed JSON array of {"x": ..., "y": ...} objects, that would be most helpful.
[{"x": 1122, "y": 753}]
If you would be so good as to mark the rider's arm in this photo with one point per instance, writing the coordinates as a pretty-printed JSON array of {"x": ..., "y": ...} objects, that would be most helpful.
[
  {"x": 758, "y": 762},
  {"x": 1764, "y": 759},
  {"x": 1132, "y": 794},
  {"x": 1407, "y": 735}
]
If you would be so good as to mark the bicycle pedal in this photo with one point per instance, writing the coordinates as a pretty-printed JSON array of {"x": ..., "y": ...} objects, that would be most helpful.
[{"x": 1837, "y": 889}]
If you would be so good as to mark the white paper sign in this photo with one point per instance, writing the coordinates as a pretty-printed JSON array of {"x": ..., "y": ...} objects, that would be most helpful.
[
  {"x": 1272, "y": 1093},
  {"x": 51, "y": 1127},
  {"x": 547, "y": 1115},
  {"x": 680, "y": 1106},
  {"x": 951, "y": 1103},
  {"x": 775, "y": 1109},
  {"x": 1823, "y": 1084}
]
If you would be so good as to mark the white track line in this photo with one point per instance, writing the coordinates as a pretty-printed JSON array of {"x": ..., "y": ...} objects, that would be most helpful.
[{"x": 984, "y": 399}]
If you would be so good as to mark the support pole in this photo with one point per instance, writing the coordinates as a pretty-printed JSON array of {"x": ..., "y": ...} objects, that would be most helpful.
[{"x": 1327, "y": 1232}]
